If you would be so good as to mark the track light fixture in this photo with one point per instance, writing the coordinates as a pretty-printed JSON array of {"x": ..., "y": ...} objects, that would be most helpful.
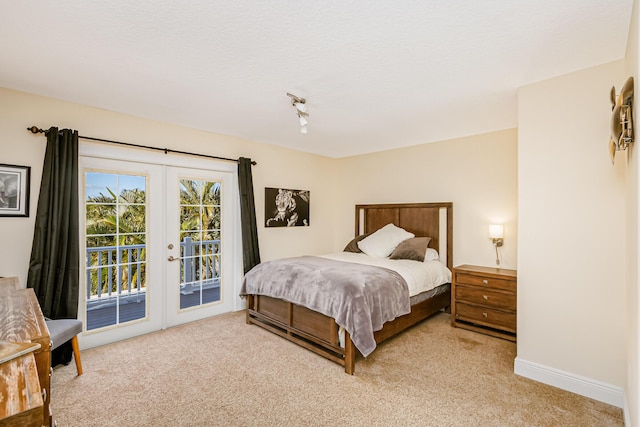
[{"x": 300, "y": 105}]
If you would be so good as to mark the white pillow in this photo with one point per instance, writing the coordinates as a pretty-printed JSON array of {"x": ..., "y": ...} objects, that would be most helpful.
[
  {"x": 432, "y": 255},
  {"x": 381, "y": 243}
]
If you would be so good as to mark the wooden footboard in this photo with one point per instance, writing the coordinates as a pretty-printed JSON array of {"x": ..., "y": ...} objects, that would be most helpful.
[
  {"x": 319, "y": 333},
  {"x": 307, "y": 328}
]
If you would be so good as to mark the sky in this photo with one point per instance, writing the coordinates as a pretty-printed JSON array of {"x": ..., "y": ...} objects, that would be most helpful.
[{"x": 98, "y": 182}]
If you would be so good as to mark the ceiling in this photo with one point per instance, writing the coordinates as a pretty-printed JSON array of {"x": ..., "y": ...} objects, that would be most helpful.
[{"x": 376, "y": 74}]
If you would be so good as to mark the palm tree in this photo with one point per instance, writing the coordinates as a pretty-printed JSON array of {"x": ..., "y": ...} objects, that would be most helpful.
[
  {"x": 115, "y": 224},
  {"x": 200, "y": 222}
]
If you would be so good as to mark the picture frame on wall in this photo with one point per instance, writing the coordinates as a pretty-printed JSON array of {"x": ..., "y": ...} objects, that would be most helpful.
[
  {"x": 14, "y": 190},
  {"x": 286, "y": 208}
]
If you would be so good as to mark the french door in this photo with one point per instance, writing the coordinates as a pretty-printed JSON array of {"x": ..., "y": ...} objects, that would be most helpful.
[
  {"x": 158, "y": 243},
  {"x": 196, "y": 245}
]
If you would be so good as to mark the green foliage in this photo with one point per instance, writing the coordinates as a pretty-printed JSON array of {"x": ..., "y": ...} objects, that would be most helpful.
[
  {"x": 118, "y": 224},
  {"x": 200, "y": 208},
  {"x": 119, "y": 220},
  {"x": 200, "y": 221}
]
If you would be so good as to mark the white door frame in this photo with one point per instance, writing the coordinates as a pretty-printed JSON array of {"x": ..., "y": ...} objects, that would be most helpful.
[{"x": 233, "y": 276}]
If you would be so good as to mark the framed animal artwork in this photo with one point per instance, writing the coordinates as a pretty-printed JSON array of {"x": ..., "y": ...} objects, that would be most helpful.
[{"x": 286, "y": 208}]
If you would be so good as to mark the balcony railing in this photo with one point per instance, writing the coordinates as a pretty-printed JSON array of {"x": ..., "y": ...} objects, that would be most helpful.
[{"x": 116, "y": 277}]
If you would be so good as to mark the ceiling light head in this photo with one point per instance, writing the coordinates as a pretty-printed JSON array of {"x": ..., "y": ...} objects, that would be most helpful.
[{"x": 300, "y": 106}]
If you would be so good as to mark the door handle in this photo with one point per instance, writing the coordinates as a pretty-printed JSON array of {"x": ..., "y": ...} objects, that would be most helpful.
[{"x": 171, "y": 258}]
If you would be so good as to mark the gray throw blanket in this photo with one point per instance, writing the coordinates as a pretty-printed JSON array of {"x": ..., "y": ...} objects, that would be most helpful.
[{"x": 361, "y": 298}]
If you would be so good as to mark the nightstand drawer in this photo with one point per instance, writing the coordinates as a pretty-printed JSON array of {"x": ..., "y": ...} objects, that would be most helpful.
[
  {"x": 470, "y": 279},
  {"x": 486, "y": 316},
  {"x": 495, "y": 299}
]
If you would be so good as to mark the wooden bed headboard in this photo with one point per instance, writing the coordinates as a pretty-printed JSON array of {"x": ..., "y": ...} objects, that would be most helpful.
[{"x": 433, "y": 220}]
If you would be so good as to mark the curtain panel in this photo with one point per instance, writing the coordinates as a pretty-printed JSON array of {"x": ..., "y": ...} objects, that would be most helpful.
[
  {"x": 250, "y": 249},
  {"x": 53, "y": 268}
]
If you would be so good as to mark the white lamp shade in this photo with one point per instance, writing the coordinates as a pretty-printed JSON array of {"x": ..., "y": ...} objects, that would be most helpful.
[
  {"x": 303, "y": 129},
  {"x": 303, "y": 121},
  {"x": 496, "y": 231}
]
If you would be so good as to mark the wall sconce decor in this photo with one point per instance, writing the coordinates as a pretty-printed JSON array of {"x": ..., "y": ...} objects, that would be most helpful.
[
  {"x": 621, "y": 119},
  {"x": 496, "y": 234},
  {"x": 300, "y": 105}
]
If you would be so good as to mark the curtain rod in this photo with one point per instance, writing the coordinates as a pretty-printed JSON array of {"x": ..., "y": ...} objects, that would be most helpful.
[{"x": 35, "y": 129}]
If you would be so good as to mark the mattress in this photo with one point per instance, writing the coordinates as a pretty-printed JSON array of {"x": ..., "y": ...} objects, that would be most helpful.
[{"x": 420, "y": 276}]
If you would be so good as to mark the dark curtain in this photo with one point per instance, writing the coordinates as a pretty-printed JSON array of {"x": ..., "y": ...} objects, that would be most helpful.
[
  {"x": 250, "y": 249},
  {"x": 53, "y": 268}
]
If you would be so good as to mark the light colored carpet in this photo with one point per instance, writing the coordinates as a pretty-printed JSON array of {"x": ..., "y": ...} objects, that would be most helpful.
[{"x": 223, "y": 372}]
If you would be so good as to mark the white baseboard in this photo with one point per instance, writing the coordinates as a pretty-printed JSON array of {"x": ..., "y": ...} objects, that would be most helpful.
[{"x": 570, "y": 382}]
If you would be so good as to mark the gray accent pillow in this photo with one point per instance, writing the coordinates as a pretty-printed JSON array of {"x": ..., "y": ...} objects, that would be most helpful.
[
  {"x": 352, "y": 246},
  {"x": 414, "y": 249}
]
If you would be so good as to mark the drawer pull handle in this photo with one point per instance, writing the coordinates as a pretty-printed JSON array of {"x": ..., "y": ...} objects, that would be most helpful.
[
  {"x": 485, "y": 281},
  {"x": 484, "y": 314},
  {"x": 486, "y": 298}
]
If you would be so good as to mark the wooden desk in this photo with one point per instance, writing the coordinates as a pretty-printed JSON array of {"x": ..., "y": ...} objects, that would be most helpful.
[
  {"x": 20, "y": 393},
  {"x": 21, "y": 320}
]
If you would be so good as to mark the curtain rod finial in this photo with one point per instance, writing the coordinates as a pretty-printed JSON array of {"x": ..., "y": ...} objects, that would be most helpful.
[{"x": 35, "y": 129}]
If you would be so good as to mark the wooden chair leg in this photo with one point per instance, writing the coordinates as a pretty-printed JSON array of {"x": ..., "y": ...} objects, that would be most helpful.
[{"x": 76, "y": 354}]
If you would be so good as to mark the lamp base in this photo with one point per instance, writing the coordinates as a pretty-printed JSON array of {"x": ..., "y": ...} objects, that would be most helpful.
[{"x": 497, "y": 243}]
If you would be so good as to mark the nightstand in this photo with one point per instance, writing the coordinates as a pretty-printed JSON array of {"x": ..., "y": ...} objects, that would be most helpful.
[{"x": 484, "y": 299}]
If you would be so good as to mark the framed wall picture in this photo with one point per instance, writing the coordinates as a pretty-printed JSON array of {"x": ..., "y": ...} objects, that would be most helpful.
[
  {"x": 14, "y": 190},
  {"x": 286, "y": 208}
]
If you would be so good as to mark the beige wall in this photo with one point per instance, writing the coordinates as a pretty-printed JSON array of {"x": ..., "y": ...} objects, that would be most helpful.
[
  {"x": 567, "y": 242},
  {"x": 632, "y": 403},
  {"x": 277, "y": 167},
  {"x": 571, "y": 230},
  {"x": 478, "y": 174}
]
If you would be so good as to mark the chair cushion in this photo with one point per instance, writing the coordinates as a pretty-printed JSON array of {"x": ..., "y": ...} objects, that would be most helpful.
[{"x": 62, "y": 330}]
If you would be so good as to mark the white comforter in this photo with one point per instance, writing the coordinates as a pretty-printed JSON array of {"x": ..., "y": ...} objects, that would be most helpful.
[{"x": 420, "y": 276}]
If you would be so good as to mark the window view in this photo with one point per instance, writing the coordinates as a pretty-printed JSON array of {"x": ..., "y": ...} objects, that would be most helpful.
[
  {"x": 116, "y": 235},
  {"x": 200, "y": 248}
]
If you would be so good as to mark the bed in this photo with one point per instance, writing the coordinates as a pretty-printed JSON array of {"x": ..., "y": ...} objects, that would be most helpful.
[{"x": 321, "y": 333}]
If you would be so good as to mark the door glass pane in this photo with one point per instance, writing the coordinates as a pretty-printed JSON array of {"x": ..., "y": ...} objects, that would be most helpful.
[
  {"x": 200, "y": 247},
  {"x": 116, "y": 234}
]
